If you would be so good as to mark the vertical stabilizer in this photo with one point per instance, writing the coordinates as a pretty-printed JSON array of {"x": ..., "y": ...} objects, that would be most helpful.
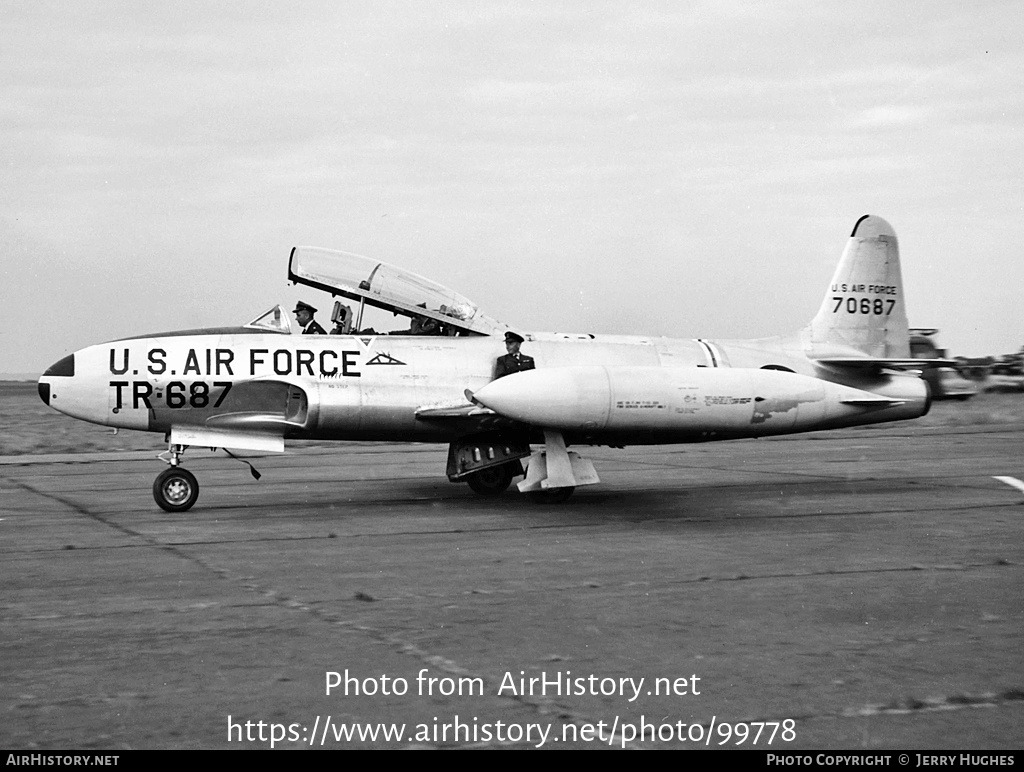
[{"x": 863, "y": 313}]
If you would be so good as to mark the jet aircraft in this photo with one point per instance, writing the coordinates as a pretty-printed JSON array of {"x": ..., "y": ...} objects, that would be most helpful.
[{"x": 251, "y": 387}]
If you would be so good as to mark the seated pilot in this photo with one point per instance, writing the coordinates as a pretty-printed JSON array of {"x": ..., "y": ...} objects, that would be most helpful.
[
  {"x": 304, "y": 316},
  {"x": 421, "y": 325},
  {"x": 513, "y": 361},
  {"x": 424, "y": 325}
]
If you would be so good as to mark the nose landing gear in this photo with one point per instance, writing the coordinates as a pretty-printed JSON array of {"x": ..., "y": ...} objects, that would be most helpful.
[{"x": 175, "y": 489}]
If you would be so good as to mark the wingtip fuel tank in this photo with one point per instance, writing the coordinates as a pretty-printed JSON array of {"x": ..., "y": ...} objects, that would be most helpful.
[{"x": 644, "y": 405}]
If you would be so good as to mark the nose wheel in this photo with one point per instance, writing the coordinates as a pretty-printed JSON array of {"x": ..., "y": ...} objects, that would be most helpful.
[{"x": 175, "y": 489}]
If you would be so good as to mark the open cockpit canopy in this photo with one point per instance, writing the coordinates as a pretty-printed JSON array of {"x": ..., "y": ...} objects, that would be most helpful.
[{"x": 371, "y": 282}]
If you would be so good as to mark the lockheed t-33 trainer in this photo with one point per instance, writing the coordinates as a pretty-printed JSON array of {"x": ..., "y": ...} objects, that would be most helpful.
[{"x": 252, "y": 387}]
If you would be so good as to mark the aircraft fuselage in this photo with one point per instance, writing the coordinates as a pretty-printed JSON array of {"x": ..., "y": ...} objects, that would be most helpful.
[{"x": 648, "y": 390}]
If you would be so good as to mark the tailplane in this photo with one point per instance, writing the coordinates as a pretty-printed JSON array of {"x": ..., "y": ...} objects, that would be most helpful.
[{"x": 863, "y": 316}]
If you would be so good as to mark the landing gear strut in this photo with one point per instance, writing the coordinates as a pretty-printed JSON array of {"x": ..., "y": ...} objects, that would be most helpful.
[
  {"x": 554, "y": 473},
  {"x": 175, "y": 489}
]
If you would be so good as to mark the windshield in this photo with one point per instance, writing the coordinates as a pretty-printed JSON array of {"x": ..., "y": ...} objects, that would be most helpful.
[
  {"x": 385, "y": 286},
  {"x": 275, "y": 320}
]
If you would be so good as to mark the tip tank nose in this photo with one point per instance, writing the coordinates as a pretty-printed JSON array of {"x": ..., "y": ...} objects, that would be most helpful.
[{"x": 558, "y": 397}]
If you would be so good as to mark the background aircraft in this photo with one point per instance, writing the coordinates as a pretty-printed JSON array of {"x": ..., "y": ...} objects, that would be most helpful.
[{"x": 251, "y": 387}]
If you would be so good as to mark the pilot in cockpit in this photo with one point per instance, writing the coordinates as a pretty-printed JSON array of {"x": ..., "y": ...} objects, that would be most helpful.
[
  {"x": 304, "y": 316},
  {"x": 421, "y": 325},
  {"x": 424, "y": 325}
]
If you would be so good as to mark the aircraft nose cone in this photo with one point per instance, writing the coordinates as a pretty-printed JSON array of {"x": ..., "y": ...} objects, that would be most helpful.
[{"x": 62, "y": 368}]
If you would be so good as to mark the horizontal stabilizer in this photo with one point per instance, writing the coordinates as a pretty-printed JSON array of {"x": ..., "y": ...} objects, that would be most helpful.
[
  {"x": 225, "y": 438},
  {"x": 873, "y": 401},
  {"x": 878, "y": 363}
]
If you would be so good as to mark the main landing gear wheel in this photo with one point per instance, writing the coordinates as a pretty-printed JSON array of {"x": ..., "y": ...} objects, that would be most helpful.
[
  {"x": 176, "y": 489},
  {"x": 551, "y": 495},
  {"x": 491, "y": 481}
]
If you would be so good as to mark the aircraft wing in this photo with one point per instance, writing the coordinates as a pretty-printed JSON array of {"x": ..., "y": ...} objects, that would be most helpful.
[
  {"x": 461, "y": 411},
  {"x": 465, "y": 418}
]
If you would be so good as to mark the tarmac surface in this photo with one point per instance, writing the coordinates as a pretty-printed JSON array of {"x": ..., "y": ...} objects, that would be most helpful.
[{"x": 856, "y": 589}]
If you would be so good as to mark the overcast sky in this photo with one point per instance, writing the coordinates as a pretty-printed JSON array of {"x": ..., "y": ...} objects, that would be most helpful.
[{"x": 681, "y": 169}]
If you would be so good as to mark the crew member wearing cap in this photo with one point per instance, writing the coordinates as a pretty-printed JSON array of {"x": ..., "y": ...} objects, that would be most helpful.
[
  {"x": 513, "y": 361},
  {"x": 421, "y": 325},
  {"x": 304, "y": 316}
]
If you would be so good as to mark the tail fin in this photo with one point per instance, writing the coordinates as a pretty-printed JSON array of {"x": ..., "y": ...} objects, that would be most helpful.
[{"x": 863, "y": 313}]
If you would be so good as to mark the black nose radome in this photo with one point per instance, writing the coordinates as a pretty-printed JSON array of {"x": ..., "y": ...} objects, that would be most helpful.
[
  {"x": 44, "y": 392},
  {"x": 64, "y": 367}
]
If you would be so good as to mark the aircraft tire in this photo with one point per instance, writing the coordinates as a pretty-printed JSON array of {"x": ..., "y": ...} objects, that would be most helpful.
[
  {"x": 551, "y": 495},
  {"x": 175, "y": 489},
  {"x": 491, "y": 481}
]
